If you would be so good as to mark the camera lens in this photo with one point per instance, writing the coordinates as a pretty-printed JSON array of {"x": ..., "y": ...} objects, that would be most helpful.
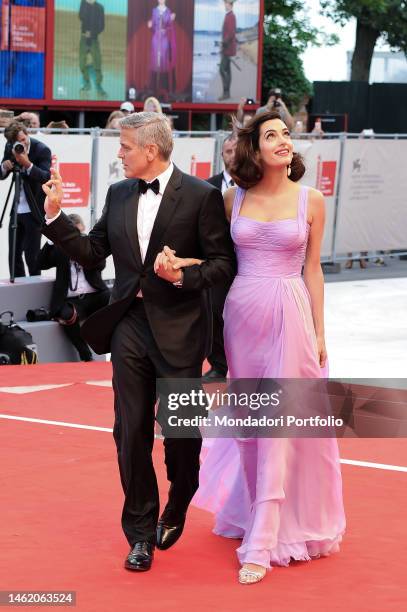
[{"x": 18, "y": 148}]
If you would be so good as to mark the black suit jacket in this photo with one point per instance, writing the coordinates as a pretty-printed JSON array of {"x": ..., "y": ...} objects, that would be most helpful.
[
  {"x": 216, "y": 180},
  {"x": 192, "y": 221},
  {"x": 52, "y": 256},
  {"x": 40, "y": 156}
]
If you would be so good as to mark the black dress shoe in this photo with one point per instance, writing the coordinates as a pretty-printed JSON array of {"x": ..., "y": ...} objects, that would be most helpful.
[
  {"x": 167, "y": 535},
  {"x": 212, "y": 375},
  {"x": 140, "y": 557}
]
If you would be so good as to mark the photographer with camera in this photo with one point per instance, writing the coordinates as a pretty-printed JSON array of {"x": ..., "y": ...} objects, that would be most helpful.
[
  {"x": 31, "y": 159},
  {"x": 275, "y": 102},
  {"x": 77, "y": 293}
]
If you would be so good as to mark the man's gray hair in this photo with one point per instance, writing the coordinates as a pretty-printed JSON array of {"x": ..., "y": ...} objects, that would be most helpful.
[{"x": 152, "y": 128}]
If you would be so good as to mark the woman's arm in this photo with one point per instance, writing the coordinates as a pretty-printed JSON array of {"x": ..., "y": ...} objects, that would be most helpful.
[
  {"x": 313, "y": 276},
  {"x": 228, "y": 198}
]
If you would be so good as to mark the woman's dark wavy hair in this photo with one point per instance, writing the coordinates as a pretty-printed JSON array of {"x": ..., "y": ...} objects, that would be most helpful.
[{"x": 247, "y": 169}]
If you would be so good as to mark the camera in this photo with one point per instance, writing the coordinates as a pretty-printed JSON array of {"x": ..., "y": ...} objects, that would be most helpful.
[
  {"x": 249, "y": 101},
  {"x": 38, "y": 314},
  {"x": 18, "y": 148}
]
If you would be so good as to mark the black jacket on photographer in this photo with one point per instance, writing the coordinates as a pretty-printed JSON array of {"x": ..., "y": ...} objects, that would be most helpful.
[
  {"x": 30, "y": 211},
  {"x": 62, "y": 306},
  {"x": 40, "y": 156},
  {"x": 53, "y": 257}
]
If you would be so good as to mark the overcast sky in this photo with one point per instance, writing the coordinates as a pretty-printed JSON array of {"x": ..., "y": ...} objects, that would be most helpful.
[{"x": 328, "y": 63}]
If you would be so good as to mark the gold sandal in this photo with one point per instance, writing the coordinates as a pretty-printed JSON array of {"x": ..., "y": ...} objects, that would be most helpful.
[{"x": 247, "y": 576}]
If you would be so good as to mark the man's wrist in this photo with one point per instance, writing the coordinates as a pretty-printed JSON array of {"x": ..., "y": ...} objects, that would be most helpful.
[{"x": 50, "y": 218}]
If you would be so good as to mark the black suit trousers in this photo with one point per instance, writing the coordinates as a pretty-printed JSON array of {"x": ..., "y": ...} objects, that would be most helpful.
[
  {"x": 28, "y": 241},
  {"x": 137, "y": 362},
  {"x": 217, "y": 357}
]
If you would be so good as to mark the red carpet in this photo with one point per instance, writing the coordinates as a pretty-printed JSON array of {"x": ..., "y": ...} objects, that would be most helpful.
[{"x": 61, "y": 501}]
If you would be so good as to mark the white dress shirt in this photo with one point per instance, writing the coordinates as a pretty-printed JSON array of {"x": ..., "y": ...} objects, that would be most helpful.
[
  {"x": 148, "y": 206},
  {"x": 78, "y": 281},
  {"x": 226, "y": 181}
]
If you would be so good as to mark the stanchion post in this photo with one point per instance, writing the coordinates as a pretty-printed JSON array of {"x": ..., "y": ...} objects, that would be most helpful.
[
  {"x": 343, "y": 139},
  {"x": 94, "y": 174}
]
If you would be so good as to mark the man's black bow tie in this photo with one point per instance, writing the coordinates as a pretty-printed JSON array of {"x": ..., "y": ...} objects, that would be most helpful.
[{"x": 154, "y": 186}]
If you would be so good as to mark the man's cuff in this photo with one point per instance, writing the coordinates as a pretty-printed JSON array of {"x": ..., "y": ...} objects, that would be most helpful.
[
  {"x": 179, "y": 282},
  {"x": 49, "y": 221}
]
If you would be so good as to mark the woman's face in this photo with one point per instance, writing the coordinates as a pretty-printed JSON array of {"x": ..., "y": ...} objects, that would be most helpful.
[
  {"x": 275, "y": 144},
  {"x": 161, "y": 2}
]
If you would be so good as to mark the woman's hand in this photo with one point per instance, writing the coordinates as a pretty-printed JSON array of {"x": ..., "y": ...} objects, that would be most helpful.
[
  {"x": 322, "y": 351},
  {"x": 167, "y": 259}
]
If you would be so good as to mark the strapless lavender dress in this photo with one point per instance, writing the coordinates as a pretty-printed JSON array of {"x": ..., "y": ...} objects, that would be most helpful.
[{"x": 283, "y": 497}]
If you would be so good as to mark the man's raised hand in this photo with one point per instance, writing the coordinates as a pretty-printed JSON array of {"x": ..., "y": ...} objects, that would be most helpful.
[{"x": 54, "y": 192}]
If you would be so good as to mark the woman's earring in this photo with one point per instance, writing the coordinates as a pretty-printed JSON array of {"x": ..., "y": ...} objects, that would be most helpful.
[{"x": 289, "y": 170}]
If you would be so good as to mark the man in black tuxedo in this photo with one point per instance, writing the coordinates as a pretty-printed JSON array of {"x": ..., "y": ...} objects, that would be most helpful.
[
  {"x": 217, "y": 357},
  {"x": 157, "y": 325},
  {"x": 34, "y": 163},
  {"x": 77, "y": 292}
]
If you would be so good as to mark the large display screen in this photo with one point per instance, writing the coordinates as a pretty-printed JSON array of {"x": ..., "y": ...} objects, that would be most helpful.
[
  {"x": 187, "y": 51},
  {"x": 22, "y": 48}
]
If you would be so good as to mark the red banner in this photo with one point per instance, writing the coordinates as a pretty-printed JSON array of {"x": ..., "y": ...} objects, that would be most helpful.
[
  {"x": 326, "y": 177},
  {"x": 27, "y": 28},
  {"x": 76, "y": 183}
]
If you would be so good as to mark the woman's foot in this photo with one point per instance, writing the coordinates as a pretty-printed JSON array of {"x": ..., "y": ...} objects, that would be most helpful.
[{"x": 251, "y": 573}]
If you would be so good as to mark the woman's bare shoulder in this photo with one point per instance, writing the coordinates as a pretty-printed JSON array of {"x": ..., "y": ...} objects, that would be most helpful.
[{"x": 316, "y": 204}]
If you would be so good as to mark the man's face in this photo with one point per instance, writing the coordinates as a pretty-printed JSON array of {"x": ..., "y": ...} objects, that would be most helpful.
[
  {"x": 34, "y": 121},
  {"x": 24, "y": 139},
  {"x": 228, "y": 6},
  {"x": 228, "y": 153},
  {"x": 135, "y": 159}
]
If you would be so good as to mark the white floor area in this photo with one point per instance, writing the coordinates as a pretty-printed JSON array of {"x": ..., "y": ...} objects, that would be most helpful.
[{"x": 366, "y": 328}]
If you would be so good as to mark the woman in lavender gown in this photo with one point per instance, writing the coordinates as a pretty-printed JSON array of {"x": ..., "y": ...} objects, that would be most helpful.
[
  {"x": 163, "y": 50},
  {"x": 283, "y": 497}
]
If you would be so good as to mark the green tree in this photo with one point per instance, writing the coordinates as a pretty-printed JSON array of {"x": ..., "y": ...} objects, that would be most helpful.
[
  {"x": 375, "y": 19},
  {"x": 287, "y": 33}
]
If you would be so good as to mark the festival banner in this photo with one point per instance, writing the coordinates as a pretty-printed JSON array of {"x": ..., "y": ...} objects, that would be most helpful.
[
  {"x": 372, "y": 211},
  {"x": 321, "y": 158}
]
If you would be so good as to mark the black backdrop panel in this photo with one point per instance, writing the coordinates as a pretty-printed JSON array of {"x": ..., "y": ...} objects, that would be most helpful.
[{"x": 380, "y": 106}]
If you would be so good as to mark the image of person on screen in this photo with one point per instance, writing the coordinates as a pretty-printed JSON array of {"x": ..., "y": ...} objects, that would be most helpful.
[
  {"x": 228, "y": 48},
  {"x": 163, "y": 51},
  {"x": 92, "y": 17}
]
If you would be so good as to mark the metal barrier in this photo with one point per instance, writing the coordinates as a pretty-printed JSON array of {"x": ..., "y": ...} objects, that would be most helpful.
[{"x": 339, "y": 205}]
